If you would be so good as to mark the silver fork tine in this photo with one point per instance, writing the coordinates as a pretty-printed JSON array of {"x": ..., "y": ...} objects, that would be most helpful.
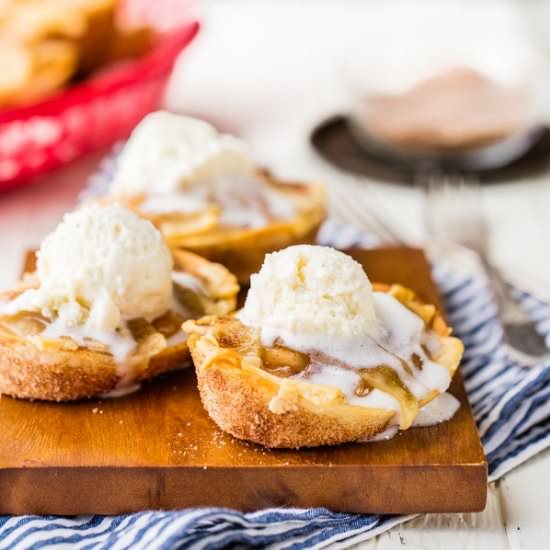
[
  {"x": 453, "y": 211},
  {"x": 364, "y": 213},
  {"x": 339, "y": 203},
  {"x": 366, "y": 200},
  {"x": 351, "y": 201}
]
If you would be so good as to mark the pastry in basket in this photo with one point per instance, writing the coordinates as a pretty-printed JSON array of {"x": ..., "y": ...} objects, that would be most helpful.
[
  {"x": 203, "y": 192},
  {"x": 317, "y": 356},
  {"x": 45, "y": 44},
  {"x": 103, "y": 311},
  {"x": 34, "y": 73}
]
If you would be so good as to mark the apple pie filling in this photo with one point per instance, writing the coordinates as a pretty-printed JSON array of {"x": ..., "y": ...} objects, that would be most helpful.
[{"x": 395, "y": 368}]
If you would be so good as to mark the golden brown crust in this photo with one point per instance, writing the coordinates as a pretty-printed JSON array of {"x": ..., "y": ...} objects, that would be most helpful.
[
  {"x": 28, "y": 372},
  {"x": 47, "y": 45},
  {"x": 250, "y": 403},
  {"x": 31, "y": 368},
  {"x": 242, "y": 250},
  {"x": 220, "y": 284},
  {"x": 238, "y": 401}
]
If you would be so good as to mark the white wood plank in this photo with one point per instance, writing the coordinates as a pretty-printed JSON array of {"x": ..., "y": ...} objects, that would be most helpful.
[
  {"x": 526, "y": 504},
  {"x": 481, "y": 531},
  {"x": 367, "y": 545}
]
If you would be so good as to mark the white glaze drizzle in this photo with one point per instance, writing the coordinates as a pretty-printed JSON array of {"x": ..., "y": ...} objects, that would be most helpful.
[
  {"x": 186, "y": 280},
  {"x": 182, "y": 202},
  {"x": 400, "y": 333},
  {"x": 244, "y": 201},
  {"x": 176, "y": 339},
  {"x": 121, "y": 391},
  {"x": 438, "y": 410},
  {"x": 120, "y": 343},
  {"x": 389, "y": 433}
]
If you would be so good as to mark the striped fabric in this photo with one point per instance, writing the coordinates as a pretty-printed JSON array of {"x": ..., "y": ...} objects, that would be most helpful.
[{"x": 511, "y": 405}]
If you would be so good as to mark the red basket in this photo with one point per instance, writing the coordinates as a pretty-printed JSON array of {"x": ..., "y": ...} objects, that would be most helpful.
[{"x": 38, "y": 138}]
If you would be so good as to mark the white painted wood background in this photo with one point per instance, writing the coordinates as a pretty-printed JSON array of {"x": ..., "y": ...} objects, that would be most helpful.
[{"x": 268, "y": 71}]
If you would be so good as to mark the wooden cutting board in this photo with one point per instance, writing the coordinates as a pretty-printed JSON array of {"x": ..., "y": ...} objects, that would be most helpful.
[{"x": 158, "y": 449}]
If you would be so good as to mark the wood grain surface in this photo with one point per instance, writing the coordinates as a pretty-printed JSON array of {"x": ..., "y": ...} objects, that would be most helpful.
[{"x": 157, "y": 448}]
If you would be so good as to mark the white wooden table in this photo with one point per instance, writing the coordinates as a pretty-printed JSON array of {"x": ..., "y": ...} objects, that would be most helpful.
[{"x": 269, "y": 71}]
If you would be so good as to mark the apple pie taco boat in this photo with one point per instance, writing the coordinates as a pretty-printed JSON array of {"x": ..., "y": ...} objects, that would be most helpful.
[
  {"x": 262, "y": 394},
  {"x": 242, "y": 248},
  {"x": 35, "y": 366}
]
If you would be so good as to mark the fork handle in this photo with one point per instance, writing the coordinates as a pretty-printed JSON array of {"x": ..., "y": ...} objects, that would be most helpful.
[
  {"x": 525, "y": 344},
  {"x": 507, "y": 305}
]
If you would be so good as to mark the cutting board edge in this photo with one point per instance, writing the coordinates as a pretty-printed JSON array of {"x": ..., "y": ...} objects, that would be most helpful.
[
  {"x": 46, "y": 489},
  {"x": 387, "y": 490}
]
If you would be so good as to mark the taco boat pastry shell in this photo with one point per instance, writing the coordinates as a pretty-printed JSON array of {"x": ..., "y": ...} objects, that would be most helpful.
[
  {"x": 206, "y": 194},
  {"x": 251, "y": 391},
  {"x": 240, "y": 248},
  {"x": 60, "y": 369}
]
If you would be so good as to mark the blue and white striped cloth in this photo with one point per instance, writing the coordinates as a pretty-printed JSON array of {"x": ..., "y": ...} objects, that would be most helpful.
[{"x": 511, "y": 405}]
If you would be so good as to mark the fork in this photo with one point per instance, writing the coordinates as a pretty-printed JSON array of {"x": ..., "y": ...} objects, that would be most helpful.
[
  {"x": 354, "y": 202},
  {"x": 454, "y": 214}
]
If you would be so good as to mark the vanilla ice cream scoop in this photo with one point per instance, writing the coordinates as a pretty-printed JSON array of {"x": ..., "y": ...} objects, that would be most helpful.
[
  {"x": 101, "y": 266},
  {"x": 310, "y": 290},
  {"x": 167, "y": 151}
]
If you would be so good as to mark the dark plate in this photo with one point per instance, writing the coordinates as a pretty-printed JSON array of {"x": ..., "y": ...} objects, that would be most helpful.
[{"x": 337, "y": 144}]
